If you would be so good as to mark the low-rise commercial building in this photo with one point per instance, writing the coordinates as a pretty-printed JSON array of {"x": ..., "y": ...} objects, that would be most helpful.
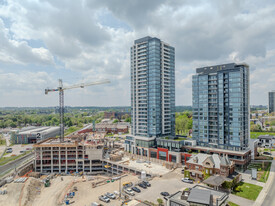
[
  {"x": 32, "y": 135},
  {"x": 181, "y": 151},
  {"x": 108, "y": 128}
]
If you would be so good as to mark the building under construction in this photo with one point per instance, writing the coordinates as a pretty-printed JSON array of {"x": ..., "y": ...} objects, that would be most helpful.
[{"x": 72, "y": 155}]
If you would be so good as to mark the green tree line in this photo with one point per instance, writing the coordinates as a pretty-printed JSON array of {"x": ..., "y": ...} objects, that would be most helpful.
[
  {"x": 21, "y": 120},
  {"x": 184, "y": 123}
]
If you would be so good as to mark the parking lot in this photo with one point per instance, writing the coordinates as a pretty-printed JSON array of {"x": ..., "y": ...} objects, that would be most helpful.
[
  {"x": 170, "y": 183},
  {"x": 17, "y": 148},
  {"x": 86, "y": 194}
]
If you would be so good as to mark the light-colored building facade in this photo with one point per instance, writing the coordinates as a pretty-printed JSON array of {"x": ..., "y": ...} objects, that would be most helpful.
[{"x": 152, "y": 88}]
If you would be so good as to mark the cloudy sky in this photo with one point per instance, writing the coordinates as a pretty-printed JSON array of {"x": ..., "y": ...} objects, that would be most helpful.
[{"x": 84, "y": 41}]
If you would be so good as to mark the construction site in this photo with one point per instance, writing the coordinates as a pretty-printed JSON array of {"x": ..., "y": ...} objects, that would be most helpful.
[{"x": 76, "y": 171}]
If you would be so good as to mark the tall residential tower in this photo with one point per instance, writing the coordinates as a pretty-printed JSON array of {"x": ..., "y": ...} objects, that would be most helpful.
[
  {"x": 221, "y": 106},
  {"x": 152, "y": 88},
  {"x": 271, "y": 102}
]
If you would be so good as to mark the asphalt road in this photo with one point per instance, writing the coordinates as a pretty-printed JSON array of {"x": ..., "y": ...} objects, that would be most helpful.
[
  {"x": 270, "y": 196},
  {"x": 16, "y": 163}
]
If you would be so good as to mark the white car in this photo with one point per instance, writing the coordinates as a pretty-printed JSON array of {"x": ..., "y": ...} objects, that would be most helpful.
[
  {"x": 116, "y": 193},
  {"x": 187, "y": 180},
  {"x": 129, "y": 191},
  {"x": 110, "y": 195}
]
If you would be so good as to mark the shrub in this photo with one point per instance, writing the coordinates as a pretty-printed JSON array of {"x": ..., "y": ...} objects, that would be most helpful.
[
  {"x": 227, "y": 184},
  {"x": 238, "y": 189}
]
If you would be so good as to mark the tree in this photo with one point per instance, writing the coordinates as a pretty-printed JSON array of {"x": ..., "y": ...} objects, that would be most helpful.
[
  {"x": 160, "y": 201},
  {"x": 128, "y": 119},
  {"x": 115, "y": 121}
]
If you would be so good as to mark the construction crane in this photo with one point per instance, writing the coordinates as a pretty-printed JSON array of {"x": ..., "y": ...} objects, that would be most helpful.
[{"x": 61, "y": 99}]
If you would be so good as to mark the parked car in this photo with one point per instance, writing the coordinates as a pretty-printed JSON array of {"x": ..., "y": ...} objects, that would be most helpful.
[
  {"x": 104, "y": 198},
  {"x": 187, "y": 180},
  {"x": 267, "y": 153},
  {"x": 8, "y": 151},
  {"x": 164, "y": 194},
  {"x": 110, "y": 195},
  {"x": 95, "y": 204},
  {"x": 136, "y": 189},
  {"x": 22, "y": 151},
  {"x": 129, "y": 191},
  {"x": 147, "y": 183},
  {"x": 142, "y": 185},
  {"x": 116, "y": 193}
]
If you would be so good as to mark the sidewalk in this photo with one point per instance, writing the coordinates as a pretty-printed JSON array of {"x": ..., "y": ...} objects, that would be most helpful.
[
  {"x": 268, "y": 184},
  {"x": 240, "y": 200}
]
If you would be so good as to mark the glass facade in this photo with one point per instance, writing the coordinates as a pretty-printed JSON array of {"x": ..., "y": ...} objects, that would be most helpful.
[
  {"x": 152, "y": 88},
  {"x": 220, "y": 101},
  {"x": 271, "y": 102}
]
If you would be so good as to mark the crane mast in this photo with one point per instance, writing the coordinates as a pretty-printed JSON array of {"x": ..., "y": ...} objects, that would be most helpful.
[{"x": 61, "y": 99}]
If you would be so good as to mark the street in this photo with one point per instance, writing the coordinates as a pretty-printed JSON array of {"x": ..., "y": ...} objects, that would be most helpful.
[
  {"x": 16, "y": 163},
  {"x": 269, "y": 199}
]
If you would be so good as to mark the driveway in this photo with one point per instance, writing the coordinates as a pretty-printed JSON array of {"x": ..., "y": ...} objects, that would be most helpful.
[{"x": 246, "y": 176}]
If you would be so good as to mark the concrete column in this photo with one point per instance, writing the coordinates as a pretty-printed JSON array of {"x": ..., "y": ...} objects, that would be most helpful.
[
  {"x": 59, "y": 159},
  {"x": 66, "y": 157},
  {"x": 35, "y": 157},
  {"x": 76, "y": 160},
  {"x": 41, "y": 165},
  {"x": 52, "y": 159}
]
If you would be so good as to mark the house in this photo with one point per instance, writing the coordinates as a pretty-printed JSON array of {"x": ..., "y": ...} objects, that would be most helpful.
[
  {"x": 266, "y": 141},
  {"x": 199, "y": 196},
  {"x": 202, "y": 165}
]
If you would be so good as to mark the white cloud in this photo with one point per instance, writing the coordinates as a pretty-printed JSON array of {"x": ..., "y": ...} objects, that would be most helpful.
[{"x": 72, "y": 36}]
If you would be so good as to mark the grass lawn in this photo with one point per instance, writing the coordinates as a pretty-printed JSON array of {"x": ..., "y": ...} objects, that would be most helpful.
[
  {"x": 2, "y": 142},
  {"x": 232, "y": 204},
  {"x": 265, "y": 175},
  {"x": 248, "y": 191},
  {"x": 71, "y": 130},
  {"x": 254, "y": 135}
]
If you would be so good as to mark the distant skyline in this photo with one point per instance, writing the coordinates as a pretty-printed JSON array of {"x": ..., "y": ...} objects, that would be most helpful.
[{"x": 85, "y": 41}]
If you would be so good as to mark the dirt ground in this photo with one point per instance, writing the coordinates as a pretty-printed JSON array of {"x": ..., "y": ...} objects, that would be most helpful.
[
  {"x": 13, "y": 193},
  {"x": 51, "y": 195},
  {"x": 34, "y": 193}
]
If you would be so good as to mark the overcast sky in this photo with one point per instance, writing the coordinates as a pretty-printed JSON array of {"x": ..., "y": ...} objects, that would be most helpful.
[{"x": 85, "y": 41}]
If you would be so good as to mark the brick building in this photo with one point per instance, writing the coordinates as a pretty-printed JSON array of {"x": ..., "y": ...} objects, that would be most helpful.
[{"x": 204, "y": 164}]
